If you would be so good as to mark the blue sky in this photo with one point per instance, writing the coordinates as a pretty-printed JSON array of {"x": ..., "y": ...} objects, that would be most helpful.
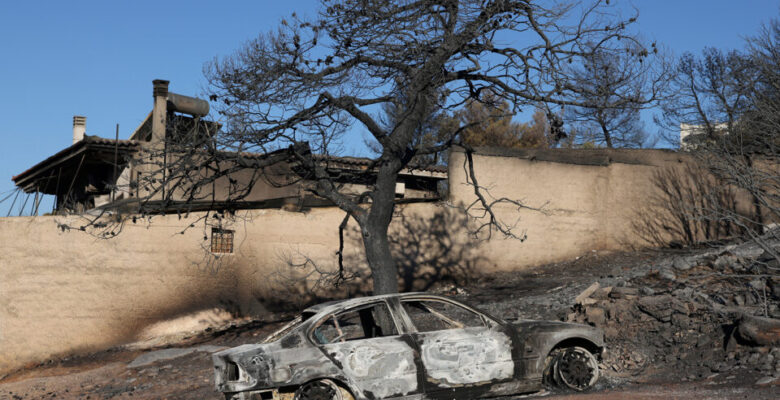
[{"x": 98, "y": 58}]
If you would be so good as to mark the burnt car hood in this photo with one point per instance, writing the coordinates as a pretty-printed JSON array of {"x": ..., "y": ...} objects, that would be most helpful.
[{"x": 234, "y": 351}]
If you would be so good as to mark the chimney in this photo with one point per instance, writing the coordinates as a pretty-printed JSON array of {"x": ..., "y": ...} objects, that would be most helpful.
[
  {"x": 160, "y": 110},
  {"x": 79, "y": 127}
]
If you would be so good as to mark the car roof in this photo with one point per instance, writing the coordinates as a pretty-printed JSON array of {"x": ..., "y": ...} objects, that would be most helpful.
[{"x": 338, "y": 305}]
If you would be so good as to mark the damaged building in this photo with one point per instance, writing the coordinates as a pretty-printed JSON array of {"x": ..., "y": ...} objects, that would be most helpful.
[{"x": 97, "y": 173}]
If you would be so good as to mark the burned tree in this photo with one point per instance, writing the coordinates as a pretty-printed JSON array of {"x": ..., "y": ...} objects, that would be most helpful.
[
  {"x": 312, "y": 80},
  {"x": 615, "y": 88},
  {"x": 707, "y": 94},
  {"x": 726, "y": 109}
]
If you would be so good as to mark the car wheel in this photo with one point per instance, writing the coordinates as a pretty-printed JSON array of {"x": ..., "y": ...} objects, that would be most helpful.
[
  {"x": 573, "y": 368},
  {"x": 319, "y": 390}
]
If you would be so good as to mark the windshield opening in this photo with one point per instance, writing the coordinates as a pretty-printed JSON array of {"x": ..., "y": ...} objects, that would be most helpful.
[{"x": 288, "y": 327}]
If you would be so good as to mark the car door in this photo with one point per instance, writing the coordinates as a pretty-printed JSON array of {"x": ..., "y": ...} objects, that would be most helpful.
[
  {"x": 459, "y": 349},
  {"x": 365, "y": 343}
]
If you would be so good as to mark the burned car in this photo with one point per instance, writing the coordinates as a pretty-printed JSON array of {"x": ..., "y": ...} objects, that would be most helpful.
[{"x": 408, "y": 346}]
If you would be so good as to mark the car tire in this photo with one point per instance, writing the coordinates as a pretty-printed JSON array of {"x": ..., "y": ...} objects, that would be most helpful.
[
  {"x": 319, "y": 390},
  {"x": 573, "y": 368}
]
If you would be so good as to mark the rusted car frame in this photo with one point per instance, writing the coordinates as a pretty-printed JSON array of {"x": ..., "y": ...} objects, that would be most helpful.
[{"x": 408, "y": 346}]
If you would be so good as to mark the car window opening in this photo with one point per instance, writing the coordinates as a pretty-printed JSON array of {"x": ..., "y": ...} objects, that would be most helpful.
[
  {"x": 429, "y": 316},
  {"x": 288, "y": 327},
  {"x": 365, "y": 323}
]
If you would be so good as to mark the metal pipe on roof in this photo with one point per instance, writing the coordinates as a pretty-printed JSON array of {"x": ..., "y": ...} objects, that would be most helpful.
[{"x": 188, "y": 105}]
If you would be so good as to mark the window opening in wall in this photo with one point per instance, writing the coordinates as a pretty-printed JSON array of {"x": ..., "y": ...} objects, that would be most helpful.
[{"x": 221, "y": 240}]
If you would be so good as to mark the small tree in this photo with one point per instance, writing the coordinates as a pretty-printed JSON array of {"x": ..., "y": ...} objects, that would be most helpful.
[
  {"x": 312, "y": 80},
  {"x": 615, "y": 88},
  {"x": 488, "y": 122},
  {"x": 538, "y": 133},
  {"x": 709, "y": 94}
]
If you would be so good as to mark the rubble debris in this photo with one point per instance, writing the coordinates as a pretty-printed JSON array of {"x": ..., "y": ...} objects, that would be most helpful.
[
  {"x": 661, "y": 307},
  {"x": 706, "y": 313},
  {"x": 596, "y": 315},
  {"x": 586, "y": 293},
  {"x": 602, "y": 293},
  {"x": 767, "y": 380},
  {"x": 624, "y": 293},
  {"x": 759, "y": 331},
  {"x": 682, "y": 264}
]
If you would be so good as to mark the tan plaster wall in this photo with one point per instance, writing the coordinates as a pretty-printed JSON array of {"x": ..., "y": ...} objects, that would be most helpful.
[
  {"x": 64, "y": 292},
  {"x": 583, "y": 207},
  {"x": 67, "y": 291}
]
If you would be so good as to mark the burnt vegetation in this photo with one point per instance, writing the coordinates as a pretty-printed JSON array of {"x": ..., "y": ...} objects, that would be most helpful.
[
  {"x": 728, "y": 103},
  {"x": 311, "y": 80}
]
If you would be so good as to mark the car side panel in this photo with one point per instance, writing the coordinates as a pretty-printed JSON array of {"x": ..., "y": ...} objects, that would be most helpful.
[
  {"x": 465, "y": 358},
  {"x": 379, "y": 367}
]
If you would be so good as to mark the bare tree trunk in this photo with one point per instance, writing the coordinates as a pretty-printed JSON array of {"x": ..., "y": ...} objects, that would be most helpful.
[
  {"x": 607, "y": 136},
  {"x": 374, "y": 229},
  {"x": 381, "y": 262}
]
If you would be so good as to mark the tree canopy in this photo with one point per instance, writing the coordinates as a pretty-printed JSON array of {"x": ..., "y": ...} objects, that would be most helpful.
[
  {"x": 313, "y": 79},
  {"x": 606, "y": 76}
]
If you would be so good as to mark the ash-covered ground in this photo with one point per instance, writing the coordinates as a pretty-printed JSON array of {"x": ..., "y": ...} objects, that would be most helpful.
[
  {"x": 706, "y": 315},
  {"x": 695, "y": 323}
]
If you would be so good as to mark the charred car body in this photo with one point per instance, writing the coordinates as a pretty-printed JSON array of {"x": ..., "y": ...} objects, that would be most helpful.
[{"x": 408, "y": 346}]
